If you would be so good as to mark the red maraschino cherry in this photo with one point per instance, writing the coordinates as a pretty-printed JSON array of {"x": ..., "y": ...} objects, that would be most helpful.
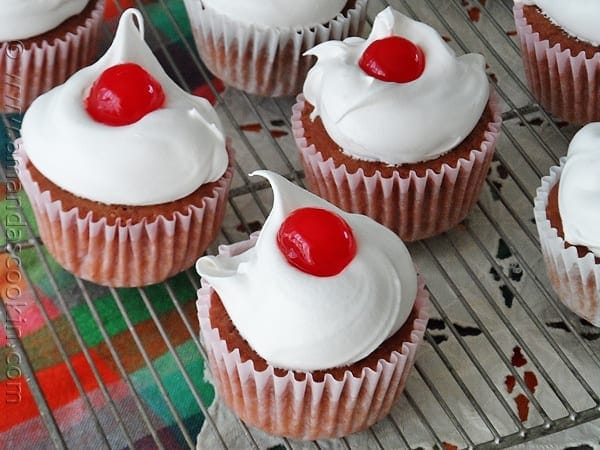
[
  {"x": 316, "y": 241},
  {"x": 393, "y": 59},
  {"x": 123, "y": 94}
]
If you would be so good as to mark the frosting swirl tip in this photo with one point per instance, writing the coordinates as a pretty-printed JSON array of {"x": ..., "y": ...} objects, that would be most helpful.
[
  {"x": 161, "y": 154},
  {"x": 309, "y": 314},
  {"x": 399, "y": 96}
]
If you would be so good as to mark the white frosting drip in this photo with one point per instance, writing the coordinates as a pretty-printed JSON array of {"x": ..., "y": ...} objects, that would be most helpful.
[
  {"x": 579, "y": 18},
  {"x": 298, "y": 321},
  {"x": 22, "y": 19},
  {"x": 397, "y": 123},
  {"x": 579, "y": 189},
  {"x": 164, "y": 156},
  {"x": 279, "y": 13}
]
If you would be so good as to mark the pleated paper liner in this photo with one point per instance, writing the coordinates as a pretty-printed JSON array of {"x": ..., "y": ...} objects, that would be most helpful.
[
  {"x": 575, "y": 279},
  {"x": 125, "y": 253},
  {"x": 566, "y": 85},
  {"x": 31, "y": 67},
  {"x": 264, "y": 60},
  {"x": 413, "y": 206}
]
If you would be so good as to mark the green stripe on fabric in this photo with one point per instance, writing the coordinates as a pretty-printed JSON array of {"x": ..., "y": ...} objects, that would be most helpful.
[
  {"x": 174, "y": 383},
  {"x": 164, "y": 23},
  {"x": 13, "y": 220},
  {"x": 43, "y": 353},
  {"x": 37, "y": 272},
  {"x": 132, "y": 302}
]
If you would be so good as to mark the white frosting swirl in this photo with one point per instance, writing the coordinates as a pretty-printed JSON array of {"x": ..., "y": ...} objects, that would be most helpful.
[
  {"x": 579, "y": 189},
  {"x": 22, "y": 19},
  {"x": 579, "y": 18},
  {"x": 298, "y": 321},
  {"x": 391, "y": 122},
  {"x": 164, "y": 156},
  {"x": 279, "y": 13}
]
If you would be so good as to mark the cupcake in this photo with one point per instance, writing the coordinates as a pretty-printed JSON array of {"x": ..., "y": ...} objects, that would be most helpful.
[
  {"x": 257, "y": 46},
  {"x": 42, "y": 43},
  {"x": 560, "y": 47},
  {"x": 311, "y": 327},
  {"x": 567, "y": 216},
  {"x": 127, "y": 174},
  {"x": 397, "y": 127}
]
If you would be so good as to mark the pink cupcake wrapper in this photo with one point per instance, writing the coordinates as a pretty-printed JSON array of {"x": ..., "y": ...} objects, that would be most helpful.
[
  {"x": 124, "y": 254},
  {"x": 26, "y": 73},
  {"x": 264, "y": 60},
  {"x": 567, "y": 86},
  {"x": 576, "y": 280},
  {"x": 307, "y": 409},
  {"x": 416, "y": 207}
]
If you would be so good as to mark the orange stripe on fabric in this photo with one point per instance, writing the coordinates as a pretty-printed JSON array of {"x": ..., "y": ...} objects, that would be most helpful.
[
  {"x": 12, "y": 281},
  {"x": 148, "y": 333}
]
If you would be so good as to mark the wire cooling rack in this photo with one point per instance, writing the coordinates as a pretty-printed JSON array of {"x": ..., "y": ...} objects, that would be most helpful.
[{"x": 504, "y": 362}]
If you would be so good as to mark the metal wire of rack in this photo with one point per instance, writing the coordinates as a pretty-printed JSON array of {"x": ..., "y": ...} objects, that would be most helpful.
[{"x": 480, "y": 300}]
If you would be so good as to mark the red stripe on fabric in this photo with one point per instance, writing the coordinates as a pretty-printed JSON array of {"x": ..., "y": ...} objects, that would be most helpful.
[
  {"x": 25, "y": 317},
  {"x": 111, "y": 9},
  {"x": 206, "y": 92},
  {"x": 57, "y": 385},
  {"x": 33, "y": 433}
]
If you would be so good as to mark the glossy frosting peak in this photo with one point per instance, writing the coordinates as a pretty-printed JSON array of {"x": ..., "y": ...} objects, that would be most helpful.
[
  {"x": 579, "y": 189},
  {"x": 22, "y": 19},
  {"x": 164, "y": 156},
  {"x": 279, "y": 13},
  {"x": 579, "y": 18},
  {"x": 298, "y": 321},
  {"x": 397, "y": 123}
]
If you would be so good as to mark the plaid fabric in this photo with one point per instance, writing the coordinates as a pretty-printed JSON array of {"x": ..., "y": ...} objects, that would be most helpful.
[{"x": 40, "y": 311}]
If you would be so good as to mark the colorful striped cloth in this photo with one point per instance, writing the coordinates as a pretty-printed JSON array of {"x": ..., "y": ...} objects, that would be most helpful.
[{"x": 42, "y": 322}]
